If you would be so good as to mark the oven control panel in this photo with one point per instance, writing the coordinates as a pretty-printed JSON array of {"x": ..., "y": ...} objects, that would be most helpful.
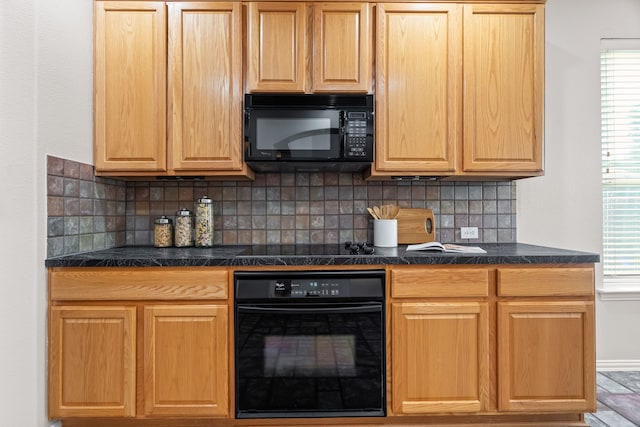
[
  {"x": 309, "y": 285},
  {"x": 302, "y": 288}
]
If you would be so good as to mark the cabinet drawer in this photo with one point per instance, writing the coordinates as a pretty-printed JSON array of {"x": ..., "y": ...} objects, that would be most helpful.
[
  {"x": 138, "y": 283},
  {"x": 449, "y": 282},
  {"x": 549, "y": 281}
]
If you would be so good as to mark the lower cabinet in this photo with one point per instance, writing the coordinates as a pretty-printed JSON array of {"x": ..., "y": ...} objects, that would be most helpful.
[
  {"x": 440, "y": 359},
  {"x": 466, "y": 345},
  {"x": 546, "y": 355},
  {"x": 138, "y": 343},
  {"x": 440, "y": 331},
  {"x": 92, "y": 361},
  {"x": 186, "y": 353},
  {"x": 493, "y": 340},
  {"x": 546, "y": 344}
]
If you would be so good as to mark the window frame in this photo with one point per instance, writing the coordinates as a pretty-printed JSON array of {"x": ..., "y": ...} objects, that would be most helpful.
[{"x": 621, "y": 286}]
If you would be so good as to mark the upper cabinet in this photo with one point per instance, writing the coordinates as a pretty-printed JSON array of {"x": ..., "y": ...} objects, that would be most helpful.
[
  {"x": 168, "y": 88},
  {"x": 459, "y": 87},
  {"x": 130, "y": 86},
  {"x": 205, "y": 86},
  {"x": 342, "y": 47},
  {"x": 309, "y": 47},
  {"x": 504, "y": 88},
  {"x": 418, "y": 91},
  {"x": 459, "y": 90}
]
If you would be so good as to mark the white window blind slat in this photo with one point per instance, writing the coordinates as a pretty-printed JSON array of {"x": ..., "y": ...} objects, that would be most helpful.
[{"x": 620, "y": 111}]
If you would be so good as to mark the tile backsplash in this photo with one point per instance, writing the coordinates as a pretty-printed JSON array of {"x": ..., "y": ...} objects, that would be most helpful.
[
  {"x": 87, "y": 213},
  {"x": 84, "y": 212}
]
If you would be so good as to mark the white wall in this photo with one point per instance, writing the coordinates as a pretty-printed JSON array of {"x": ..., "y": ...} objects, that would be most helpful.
[
  {"x": 45, "y": 108},
  {"x": 564, "y": 207},
  {"x": 21, "y": 302}
]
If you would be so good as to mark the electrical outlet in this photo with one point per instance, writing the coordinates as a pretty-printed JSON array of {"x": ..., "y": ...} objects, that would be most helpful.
[{"x": 469, "y": 232}]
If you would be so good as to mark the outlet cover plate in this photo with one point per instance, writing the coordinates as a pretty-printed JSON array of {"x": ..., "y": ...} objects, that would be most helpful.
[{"x": 468, "y": 232}]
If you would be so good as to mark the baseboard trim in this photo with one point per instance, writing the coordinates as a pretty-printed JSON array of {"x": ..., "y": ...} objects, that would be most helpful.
[{"x": 618, "y": 365}]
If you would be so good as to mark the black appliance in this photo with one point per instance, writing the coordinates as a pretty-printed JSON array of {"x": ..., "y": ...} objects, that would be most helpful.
[
  {"x": 309, "y": 344},
  {"x": 294, "y": 132}
]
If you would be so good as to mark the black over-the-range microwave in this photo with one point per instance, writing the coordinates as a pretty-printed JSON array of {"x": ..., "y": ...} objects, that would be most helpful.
[{"x": 318, "y": 132}]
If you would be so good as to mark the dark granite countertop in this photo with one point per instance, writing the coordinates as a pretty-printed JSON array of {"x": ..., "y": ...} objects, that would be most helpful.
[{"x": 321, "y": 255}]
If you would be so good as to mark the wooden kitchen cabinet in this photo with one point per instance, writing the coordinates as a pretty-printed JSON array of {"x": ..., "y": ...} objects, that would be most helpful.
[
  {"x": 507, "y": 339},
  {"x": 186, "y": 353},
  {"x": 546, "y": 343},
  {"x": 160, "y": 335},
  {"x": 418, "y": 88},
  {"x": 440, "y": 360},
  {"x": 309, "y": 47},
  {"x": 168, "y": 89},
  {"x": 440, "y": 346},
  {"x": 205, "y": 87},
  {"x": 342, "y": 47},
  {"x": 466, "y": 345},
  {"x": 130, "y": 86},
  {"x": 546, "y": 356},
  {"x": 277, "y": 47},
  {"x": 92, "y": 361},
  {"x": 459, "y": 90},
  {"x": 504, "y": 88}
]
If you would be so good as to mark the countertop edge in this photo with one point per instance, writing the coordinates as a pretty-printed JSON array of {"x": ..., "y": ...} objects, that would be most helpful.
[{"x": 232, "y": 256}]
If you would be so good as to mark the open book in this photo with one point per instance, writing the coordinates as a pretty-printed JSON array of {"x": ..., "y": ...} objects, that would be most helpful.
[{"x": 447, "y": 247}]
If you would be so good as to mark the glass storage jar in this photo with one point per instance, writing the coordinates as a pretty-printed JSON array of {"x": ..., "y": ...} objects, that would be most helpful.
[
  {"x": 204, "y": 222},
  {"x": 183, "y": 230},
  {"x": 163, "y": 232}
]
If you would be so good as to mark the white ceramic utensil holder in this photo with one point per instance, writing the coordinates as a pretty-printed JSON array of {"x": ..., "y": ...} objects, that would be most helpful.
[{"x": 385, "y": 233}]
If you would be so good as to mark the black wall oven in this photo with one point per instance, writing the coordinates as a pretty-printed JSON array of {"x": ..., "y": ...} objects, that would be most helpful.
[{"x": 309, "y": 344}]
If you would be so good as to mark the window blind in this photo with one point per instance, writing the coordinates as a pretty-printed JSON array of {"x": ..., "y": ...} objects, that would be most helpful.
[{"x": 620, "y": 110}]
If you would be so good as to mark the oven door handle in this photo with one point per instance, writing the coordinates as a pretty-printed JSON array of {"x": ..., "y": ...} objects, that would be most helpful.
[{"x": 321, "y": 310}]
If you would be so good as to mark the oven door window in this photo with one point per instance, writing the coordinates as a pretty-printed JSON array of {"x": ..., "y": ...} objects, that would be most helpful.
[
  {"x": 309, "y": 360},
  {"x": 296, "y": 134}
]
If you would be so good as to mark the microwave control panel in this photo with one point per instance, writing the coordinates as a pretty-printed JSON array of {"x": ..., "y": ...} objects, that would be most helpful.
[{"x": 356, "y": 138}]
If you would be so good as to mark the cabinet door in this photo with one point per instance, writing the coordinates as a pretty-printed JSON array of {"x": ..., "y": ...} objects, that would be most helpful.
[
  {"x": 186, "y": 360},
  {"x": 547, "y": 356},
  {"x": 205, "y": 86},
  {"x": 130, "y": 86},
  {"x": 440, "y": 357},
  {"x": 278, "y": 47},
  {"x": 92, "y": 361},
  {"x": 342, "y": 44},
  {"x": 418, "y": 93},
  {"x": 504, "y": 87}
]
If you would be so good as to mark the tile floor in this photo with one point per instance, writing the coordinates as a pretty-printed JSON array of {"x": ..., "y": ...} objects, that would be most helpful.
[{"x": 618, "y": 400}]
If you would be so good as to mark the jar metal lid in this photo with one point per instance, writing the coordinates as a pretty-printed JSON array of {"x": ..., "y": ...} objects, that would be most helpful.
[
  {"x": 163, "y": 220},
  {"x": 183, "y": 212},
  {"x": 205, "y": 199}
]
